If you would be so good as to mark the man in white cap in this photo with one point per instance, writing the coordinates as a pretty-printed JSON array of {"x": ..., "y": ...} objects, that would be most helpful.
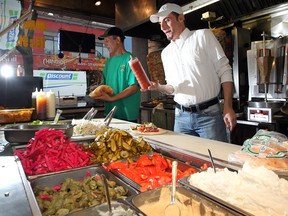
[{"x": 195, "y": 67}]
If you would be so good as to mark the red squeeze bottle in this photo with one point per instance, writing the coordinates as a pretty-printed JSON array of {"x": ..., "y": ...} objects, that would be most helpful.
[{"x": 139, "y": 73}]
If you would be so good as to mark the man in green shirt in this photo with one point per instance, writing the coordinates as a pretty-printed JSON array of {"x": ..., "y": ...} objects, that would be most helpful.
[{"x": 118, "y": 75}]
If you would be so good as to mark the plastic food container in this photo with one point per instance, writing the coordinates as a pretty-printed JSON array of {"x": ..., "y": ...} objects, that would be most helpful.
[
  {"x": 15, "y": 115},
  {"x": 22, "y": 133}
]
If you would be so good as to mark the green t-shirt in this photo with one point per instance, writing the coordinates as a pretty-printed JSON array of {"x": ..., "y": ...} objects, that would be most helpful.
[{"x": 118, "y": 75}]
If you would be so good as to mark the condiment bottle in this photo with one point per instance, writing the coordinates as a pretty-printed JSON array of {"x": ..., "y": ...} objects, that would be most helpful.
[
  {"x": 139, "y": 73},
  {"x": 51, "y": 103},
  {"x": 41, "y": 101},
  {"x": 34, "y": 104}
]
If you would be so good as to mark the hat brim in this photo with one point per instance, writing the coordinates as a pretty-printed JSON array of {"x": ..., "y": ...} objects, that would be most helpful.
[
  {"x": 102, "y": 37},
  {"x": 154, "y": 18}
]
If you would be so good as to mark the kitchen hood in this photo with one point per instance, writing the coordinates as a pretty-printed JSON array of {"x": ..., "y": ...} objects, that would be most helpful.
[{"x": 133, "y": 15}]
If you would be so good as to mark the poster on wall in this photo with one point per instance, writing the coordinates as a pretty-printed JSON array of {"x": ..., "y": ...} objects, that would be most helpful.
[
  {"x": 10, "y": 10},
  {"x": 63, "y": 83}
]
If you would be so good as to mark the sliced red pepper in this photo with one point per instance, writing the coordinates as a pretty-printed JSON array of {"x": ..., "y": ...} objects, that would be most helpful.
[
  {"x": 50, "y": 151},
  {"x": 57, "y": 187},
  {"x": 45, "y": 197}
]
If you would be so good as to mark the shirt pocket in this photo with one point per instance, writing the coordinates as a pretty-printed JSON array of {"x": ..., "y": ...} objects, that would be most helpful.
[{"x": 191, "y": 56}]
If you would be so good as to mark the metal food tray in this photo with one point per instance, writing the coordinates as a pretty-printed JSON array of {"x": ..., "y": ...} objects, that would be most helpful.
[
  {"x": 32, "y": 177},
  {"x": 93, "y": 211},
  {"x": 152, "y": 196},
  {"x": 185, "y": 182},
  {"x": 79, "y": 174},
  {"x": 182, "y": 166},
  {"x": 190, "y": 157},
  {"x": 22, "y": 133}
]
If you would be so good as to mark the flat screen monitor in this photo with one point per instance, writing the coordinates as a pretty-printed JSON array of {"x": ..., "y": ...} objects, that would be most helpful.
[
  {"x": 16, "y": 92},
  {"x": 63, "y": 83},
  {"x": 76, "y": 42}
]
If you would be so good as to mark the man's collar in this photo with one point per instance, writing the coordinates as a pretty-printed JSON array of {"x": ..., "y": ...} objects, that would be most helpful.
[{"x": 182, "y": 36}]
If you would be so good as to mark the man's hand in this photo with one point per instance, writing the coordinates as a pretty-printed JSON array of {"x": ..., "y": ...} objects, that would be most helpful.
[
  {"x": 105, "y": 97},
  {"x": 153, "y": 87},
  {"x": 230, "y": 118}
]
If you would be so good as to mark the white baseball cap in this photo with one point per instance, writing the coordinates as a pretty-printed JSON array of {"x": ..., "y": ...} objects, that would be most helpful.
[{"x": 165, "y": 10}]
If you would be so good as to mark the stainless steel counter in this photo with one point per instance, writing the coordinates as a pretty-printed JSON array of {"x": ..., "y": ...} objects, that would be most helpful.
[
  {"x": 18, "y": 199},
  {"x": 16, "y": 194}
]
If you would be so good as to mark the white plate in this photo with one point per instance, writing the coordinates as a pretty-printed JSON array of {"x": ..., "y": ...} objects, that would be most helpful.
[
  {"x": 161, "y": 131},
  {"x": 82, "y": 138}
]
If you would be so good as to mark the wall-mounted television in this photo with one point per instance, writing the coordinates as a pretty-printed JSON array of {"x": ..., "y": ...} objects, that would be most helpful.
[{"x": 76, "y": 42}]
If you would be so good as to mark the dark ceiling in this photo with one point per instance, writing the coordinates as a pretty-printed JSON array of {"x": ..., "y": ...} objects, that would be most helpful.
[
  {"x": 228, "y": 12},
  {"x": 83, "y": 9}
]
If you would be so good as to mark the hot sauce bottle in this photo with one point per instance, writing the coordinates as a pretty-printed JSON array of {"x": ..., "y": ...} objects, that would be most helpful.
[
  {"x": 41, "y": 103},
  {"x": 139, "y": 73}
]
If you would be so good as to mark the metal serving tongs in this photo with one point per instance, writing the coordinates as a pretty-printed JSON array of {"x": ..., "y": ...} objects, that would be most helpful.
[
  {"x": 90, "y": 114},
  {"x": 107, "y": 193},
  {"x": 110, "y": 115}
]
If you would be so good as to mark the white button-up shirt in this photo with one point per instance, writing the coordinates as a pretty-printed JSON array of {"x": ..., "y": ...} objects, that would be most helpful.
[{"x": 195, "y": 65}]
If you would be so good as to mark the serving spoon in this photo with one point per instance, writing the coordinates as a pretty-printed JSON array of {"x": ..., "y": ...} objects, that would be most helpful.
[
  {"x": 172, "y": 208},
  {"x": 212, "y": 161}
]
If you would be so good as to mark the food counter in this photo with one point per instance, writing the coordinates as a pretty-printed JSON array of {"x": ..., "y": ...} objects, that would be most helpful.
[
  {"x": 176, "y": 145},
  {"x": 182, "y": 147}
]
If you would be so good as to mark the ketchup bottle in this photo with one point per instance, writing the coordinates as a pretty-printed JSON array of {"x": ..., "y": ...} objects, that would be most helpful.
[{"x": 139, "y": 73}]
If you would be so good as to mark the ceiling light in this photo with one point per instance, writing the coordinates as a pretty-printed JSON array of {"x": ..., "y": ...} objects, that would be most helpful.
[
  {"x": 195, "y": 5},
  {"x": 97, "y": 3}
]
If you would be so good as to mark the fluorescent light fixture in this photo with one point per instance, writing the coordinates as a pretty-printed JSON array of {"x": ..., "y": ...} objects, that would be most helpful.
[{"x": 193, "y": 6}]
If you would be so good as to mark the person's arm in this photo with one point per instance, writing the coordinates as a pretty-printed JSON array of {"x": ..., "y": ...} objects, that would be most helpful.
[
  {"x": 125, "y": 93},
  {"x": 164, "y": 89},
  {"x": 228, "y": 112}
]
